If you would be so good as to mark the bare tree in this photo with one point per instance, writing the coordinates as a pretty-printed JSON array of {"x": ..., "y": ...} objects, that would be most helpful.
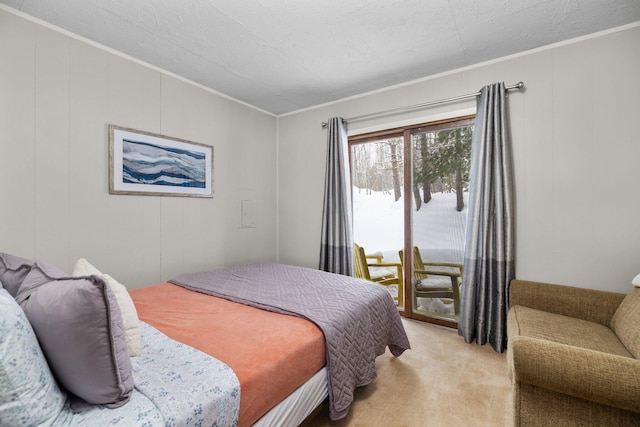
[
  {"x": 377, "y": 166},
  {"x": 396, "y": 164}
]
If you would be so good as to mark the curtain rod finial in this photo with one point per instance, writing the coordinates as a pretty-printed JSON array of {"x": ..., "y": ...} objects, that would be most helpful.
[
  {"x": 520, "y": 85},
  {"x": 324, "y": 125}
]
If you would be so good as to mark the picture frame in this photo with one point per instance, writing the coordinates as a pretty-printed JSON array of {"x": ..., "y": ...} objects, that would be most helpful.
[{"x": 146, "y": 163}]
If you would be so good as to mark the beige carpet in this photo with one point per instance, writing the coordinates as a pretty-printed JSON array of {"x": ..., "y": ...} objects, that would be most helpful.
[{"x": 441, "y": 381}]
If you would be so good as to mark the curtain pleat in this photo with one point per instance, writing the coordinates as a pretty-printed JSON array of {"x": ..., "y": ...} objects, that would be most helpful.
[
  {"x": 489, "y": 262},
  {"x": 336, "y": 246}
]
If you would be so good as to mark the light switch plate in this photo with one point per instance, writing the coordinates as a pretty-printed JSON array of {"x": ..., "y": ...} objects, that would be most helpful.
[{"x": 248, "y": 213}]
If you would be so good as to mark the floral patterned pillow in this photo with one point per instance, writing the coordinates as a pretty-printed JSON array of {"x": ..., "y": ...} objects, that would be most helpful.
[{"x": 29, "y": 395}]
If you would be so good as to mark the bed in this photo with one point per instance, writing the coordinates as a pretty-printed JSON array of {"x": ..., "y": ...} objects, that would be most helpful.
[{"x": 257, "y": 344}]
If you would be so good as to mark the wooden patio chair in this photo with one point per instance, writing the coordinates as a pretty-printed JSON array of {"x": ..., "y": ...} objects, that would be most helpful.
[
  {"x": 436, "y": 280},
  {"x": 383, "y": 273}
]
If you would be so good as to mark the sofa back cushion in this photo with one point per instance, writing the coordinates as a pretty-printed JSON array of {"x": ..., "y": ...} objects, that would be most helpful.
[{"x": 626, "y": 322}]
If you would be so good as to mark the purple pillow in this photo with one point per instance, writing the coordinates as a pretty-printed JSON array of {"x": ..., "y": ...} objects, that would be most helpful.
[
  {"x": 13, "y": 270},
  {"x": 80, "y": 330}
]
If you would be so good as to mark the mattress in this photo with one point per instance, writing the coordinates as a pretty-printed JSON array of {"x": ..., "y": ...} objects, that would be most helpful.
[{"x": 293, "y": 410}]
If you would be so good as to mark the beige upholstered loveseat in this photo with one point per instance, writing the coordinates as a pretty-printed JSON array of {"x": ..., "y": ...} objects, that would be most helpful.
[{"x": 573, "y": 355}]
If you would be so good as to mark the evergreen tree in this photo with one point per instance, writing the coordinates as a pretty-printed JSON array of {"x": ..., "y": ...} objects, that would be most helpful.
[{"x": 443, "y": 158}]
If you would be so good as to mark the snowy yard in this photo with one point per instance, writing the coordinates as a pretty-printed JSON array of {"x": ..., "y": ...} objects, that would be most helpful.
[{"x": 438, "y": 230}]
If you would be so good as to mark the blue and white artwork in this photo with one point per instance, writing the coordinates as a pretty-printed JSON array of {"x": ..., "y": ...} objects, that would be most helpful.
[{"x": 146, "y": 163}]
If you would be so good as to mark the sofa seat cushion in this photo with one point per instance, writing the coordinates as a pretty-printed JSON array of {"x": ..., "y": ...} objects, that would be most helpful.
[{"x": 532, "y": 323}]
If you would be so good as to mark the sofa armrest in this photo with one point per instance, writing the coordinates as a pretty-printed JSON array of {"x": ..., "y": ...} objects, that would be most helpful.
[
  {"x": 587, "y": 374},
  {"x": 587, "y": 304}
]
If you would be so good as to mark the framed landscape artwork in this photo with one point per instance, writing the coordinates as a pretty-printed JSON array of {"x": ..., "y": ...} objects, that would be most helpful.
[{"x": 146, "y": 163}]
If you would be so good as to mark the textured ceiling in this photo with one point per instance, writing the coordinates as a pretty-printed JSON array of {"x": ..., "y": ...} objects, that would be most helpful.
[{"x": 286, "y": 55}]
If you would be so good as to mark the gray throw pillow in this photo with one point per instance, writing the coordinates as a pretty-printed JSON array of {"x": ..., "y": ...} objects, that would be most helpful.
[
  {"x": 80, "y": 330},
  {"x": 13, "y": 270}
]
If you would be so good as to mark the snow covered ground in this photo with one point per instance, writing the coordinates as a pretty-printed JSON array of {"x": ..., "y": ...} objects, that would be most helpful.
[{"x": 438, "y": 230}]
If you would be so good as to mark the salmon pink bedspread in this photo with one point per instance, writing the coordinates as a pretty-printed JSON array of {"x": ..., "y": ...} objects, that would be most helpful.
[{"x": 271, "y": 354}]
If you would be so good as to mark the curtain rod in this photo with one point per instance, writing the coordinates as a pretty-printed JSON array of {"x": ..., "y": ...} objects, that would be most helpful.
[{"x": 516, "y": 86}]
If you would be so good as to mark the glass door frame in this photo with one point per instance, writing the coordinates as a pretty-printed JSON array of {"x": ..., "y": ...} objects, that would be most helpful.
[{"x": 406, "y": 133}]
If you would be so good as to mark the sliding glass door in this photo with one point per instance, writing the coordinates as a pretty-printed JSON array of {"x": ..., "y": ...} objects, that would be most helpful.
[
  {"x": 410, "y": 207},
  {"x": 377, "y": 175}
]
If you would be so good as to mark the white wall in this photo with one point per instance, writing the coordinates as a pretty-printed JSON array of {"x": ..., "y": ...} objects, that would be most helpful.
[
  {"x": 57, "y": 96},
  {"x": 576, "y": 147}
]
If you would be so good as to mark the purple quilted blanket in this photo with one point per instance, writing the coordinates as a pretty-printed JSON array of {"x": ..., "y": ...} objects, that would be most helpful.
[{"x": 359, "y": 319}]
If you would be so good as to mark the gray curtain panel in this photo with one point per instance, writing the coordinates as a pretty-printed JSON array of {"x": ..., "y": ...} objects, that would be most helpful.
[
  {"x": 489, "y": 251},
  {"x": 336, "y": 247}
]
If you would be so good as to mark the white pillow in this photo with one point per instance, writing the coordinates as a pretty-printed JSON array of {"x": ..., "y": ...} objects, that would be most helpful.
[
  {"x": 636, "y": 281},
  {"x": 125, "y": 303},
  {"x": 29, "y": 395}
]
